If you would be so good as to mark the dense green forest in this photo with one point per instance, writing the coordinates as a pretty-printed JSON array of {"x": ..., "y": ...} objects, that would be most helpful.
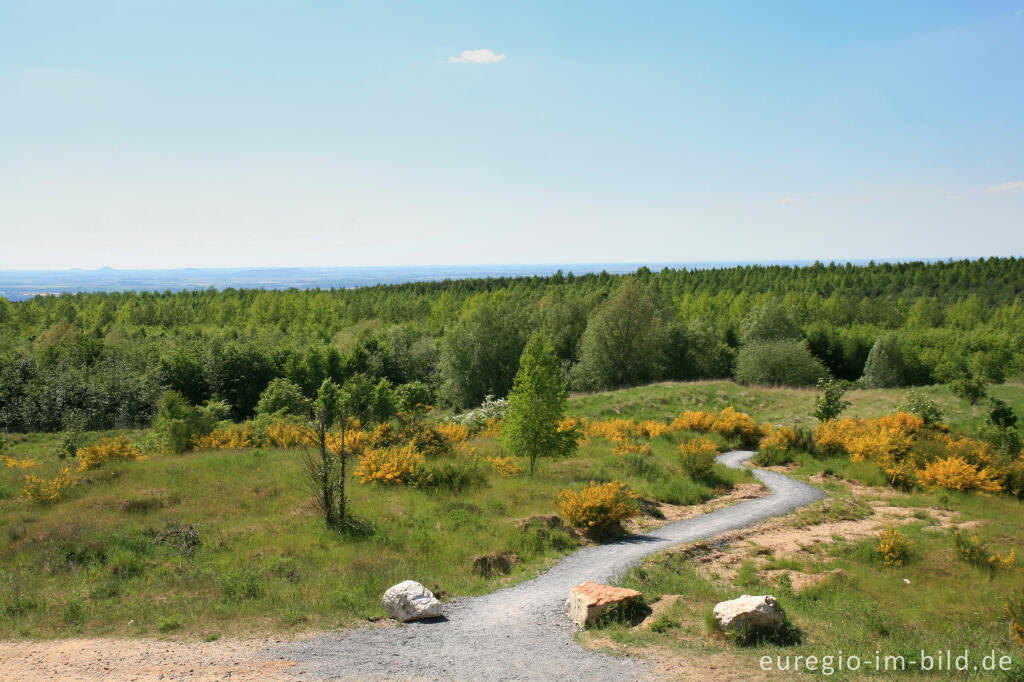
[{"x": 101, "y": 360}]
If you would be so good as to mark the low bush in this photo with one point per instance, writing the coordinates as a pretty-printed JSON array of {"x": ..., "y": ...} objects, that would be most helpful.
[
  {"x": 390, "y": 466},
  {"x": 893, "y": 547},
  {"x": 452, "y": 477},
  {"x": 599, "y": 506},
  {"x": 954, "y": 473},
  {"x": 47, "y": 490},
  {"x": 506, "y": 467},
  {"x": 107, "y": 450},
  {"x": 972, "y": 549},
  {"x": 432, "y": 440},
  {"x": 697, "y": 457}
]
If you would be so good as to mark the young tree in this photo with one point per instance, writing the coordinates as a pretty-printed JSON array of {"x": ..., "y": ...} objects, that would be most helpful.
[
  {"x": 322, "y": 472},
  {"x": 537, "y": 405},
  {"x": 885, "y": 366},
  {"x": 337, "y": 408},
  {"x": 830, "y": 403}
]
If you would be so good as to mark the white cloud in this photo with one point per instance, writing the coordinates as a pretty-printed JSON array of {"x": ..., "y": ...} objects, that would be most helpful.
[
  {"x": 1016, "y": 186},
  {"x": 477, "y": 57}
]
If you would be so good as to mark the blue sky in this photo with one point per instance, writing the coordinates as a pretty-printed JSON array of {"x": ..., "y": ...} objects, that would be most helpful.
[{"x": 156, "y": 134}]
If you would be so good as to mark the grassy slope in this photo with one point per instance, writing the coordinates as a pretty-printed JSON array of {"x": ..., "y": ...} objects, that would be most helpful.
[
  {"x": 947, "y": 603},
  {"x": 781, "y": 406},
  {"x": 90, "y": 564}
]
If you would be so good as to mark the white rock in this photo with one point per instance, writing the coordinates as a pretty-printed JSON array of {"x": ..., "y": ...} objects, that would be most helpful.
[
  {"x": 409, "y": 600},
  {"x": 749, "y": 613}
]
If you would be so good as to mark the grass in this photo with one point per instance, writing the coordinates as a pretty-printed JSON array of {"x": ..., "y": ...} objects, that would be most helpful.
[
  {"x": 780, "y": 406},
  {"x": 216, "y": 543},
  {"x": 227, "y": 541},
  {"x": 937, "y": 601}
]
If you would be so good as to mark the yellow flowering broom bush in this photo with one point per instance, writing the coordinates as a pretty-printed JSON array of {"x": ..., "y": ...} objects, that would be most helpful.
[
  {"x": 107, "y": 450},
  {"x": 599, "y": 506},
  {"x": 954, "y": 473},
  {"x": 697, "y": 456},
  {"x": 893, "y": 547},
  {"x": 398, "y": 465},
  {"x": 229, "y": 437},
  {"x": 506, "y": 467},
  {"x": 47, "y": 490}
]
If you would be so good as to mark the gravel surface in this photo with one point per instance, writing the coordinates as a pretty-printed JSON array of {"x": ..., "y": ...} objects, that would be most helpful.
[{"x": 521, "y": 633}]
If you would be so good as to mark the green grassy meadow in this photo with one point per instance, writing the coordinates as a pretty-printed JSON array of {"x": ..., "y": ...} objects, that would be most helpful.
[
  {"x": 228, "y": 541},
  {"x": 118, "y": 554}
]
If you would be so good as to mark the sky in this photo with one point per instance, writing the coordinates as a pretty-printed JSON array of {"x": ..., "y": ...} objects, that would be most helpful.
[{"x": 141, "y": 134}]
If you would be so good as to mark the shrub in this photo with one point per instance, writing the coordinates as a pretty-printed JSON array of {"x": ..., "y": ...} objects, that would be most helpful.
[
  {"x": 284, "y": 397},
  {"x": 452, "y": 477},
  {"x": 390, "y": 466},
  {"x": 107, "y": 450},
  {"x": 697, "y": 457},
  {"x": 695, "y": 421},
  {"x": 1000, "y": 414},
  {"x": 413, "y": 396},
  {"x": 599, "y": 506},
  {"x": 955, "y": 473},
  {"x": 918, "y": 404},
  {"x": 885, "y": 366},
  {"x": 506, "y": 467},
  {"x": 478, "y": 419},
  {"x": 70, "y": 443},
  {"x": 778, "y": 363},
  {"x": 628, "y": 447},
  {"x": 47, "y": 490},
  {"x": 177, "y": 423},
  {"x": 972, "y": 549},
  {"x": 783, "y": 438},
  {"x": 893, "y": 547},
  {"x": 829, "y": 404},
  {"x": 429, "y": 440},
  {"x": 453, "y": 433},
  {"x": 12, "y": 463},
  {"x": 971, "y": 389},
  {"x": 228, "y": 436}
]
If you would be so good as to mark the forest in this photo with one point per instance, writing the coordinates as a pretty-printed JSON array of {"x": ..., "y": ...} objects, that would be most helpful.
[{"x": 103, "y": 360}]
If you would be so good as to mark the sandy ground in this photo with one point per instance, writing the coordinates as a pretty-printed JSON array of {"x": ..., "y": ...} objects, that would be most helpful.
[{"x": 139, "y": 659}]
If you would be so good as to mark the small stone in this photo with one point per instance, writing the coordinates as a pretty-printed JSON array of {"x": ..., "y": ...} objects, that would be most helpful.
[
  {"x": 588, "y": 601},
  {"x": 749, "y": 613},
  {"x": 409, "y": 600}
]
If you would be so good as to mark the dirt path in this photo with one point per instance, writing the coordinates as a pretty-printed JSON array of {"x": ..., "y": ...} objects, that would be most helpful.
[
  {"x": 517, "y": 633},
  {"x": 520, "y": 633}
]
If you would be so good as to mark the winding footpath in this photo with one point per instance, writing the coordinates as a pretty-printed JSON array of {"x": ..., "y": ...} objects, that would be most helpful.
[{"x": 521, "y": 633}]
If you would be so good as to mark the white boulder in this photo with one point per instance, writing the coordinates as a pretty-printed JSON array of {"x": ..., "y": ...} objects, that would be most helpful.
[
  {"x": 409, "y": 600},
  {"x": 749, "y": 613}
]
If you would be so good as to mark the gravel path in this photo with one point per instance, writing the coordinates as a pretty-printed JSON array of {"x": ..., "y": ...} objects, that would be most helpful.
[{"x": 520, "y": 633}]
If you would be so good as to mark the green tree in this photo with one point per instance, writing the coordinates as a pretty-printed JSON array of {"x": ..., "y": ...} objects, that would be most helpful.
[
  {"x": 769, "y": 322},
  {"x": 537, "y": 405},
  {"x": 624, "y": 343},
  {"x": 829, "y": 403},
  {"x": 479, "y": 354},
  {"x": 778, "y": 363},
  {"x": 282, "y": 395},
  {"x": 885, "y": 366}
]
